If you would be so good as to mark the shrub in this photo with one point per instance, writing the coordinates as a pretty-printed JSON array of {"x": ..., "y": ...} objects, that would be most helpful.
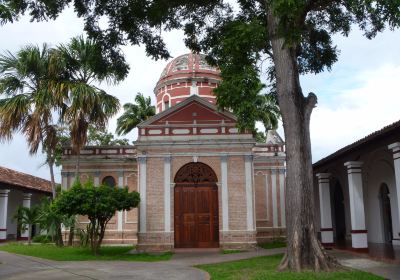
[
  {"x": 99, "y": 204},
  {"x": 41, "y": 239}
]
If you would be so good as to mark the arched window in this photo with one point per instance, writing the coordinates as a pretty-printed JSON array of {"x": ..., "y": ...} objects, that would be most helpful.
[
  {"x": 109, "y": 181},
  {"x": 166, "y": 104}
]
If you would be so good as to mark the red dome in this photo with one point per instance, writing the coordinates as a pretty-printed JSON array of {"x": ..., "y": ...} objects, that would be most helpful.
[{"x": 186, "y": 75}]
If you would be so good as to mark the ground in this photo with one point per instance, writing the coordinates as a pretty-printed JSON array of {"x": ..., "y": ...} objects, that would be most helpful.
[
  {"x": 265, "y": 268},
  {"x": 107, "y": 253},
  {"x": 184, "y": 264}
]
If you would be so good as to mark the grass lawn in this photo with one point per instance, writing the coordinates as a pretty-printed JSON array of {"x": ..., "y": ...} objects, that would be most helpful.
[
  {"x": 107, "y": 253},
  {"x": 274, "y": 244},
  {"x": 265, "y": 268}
]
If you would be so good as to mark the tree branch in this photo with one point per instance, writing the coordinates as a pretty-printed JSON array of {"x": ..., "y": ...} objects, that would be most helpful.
[{"x": 310, "y": 101}]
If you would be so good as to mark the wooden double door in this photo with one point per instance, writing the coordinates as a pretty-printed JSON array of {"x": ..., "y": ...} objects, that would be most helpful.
[{"x": 196, "y": 215}]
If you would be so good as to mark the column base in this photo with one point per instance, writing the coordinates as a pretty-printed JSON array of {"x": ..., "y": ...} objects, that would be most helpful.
[
  {"x": 155, "y": 242},
  {"x": 3, "y": 234},
  {"x": 359, "y": 239},
  {"x": 327, "y": 237},
  {"x": 239, "y": 240},
  {"x": 396, "y": 242}
]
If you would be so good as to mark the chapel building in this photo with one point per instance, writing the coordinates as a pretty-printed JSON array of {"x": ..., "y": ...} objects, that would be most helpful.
[{"x": 202, "y": 182}]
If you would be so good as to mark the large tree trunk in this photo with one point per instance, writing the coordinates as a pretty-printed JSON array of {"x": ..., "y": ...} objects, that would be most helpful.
[{"x": 304, "y": 251}]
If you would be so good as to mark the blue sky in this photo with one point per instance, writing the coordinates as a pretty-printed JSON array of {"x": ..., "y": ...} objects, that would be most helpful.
[{"x": 360, "y": 94}]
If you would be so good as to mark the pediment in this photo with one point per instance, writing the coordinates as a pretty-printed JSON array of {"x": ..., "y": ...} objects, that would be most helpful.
[{"x": 192, "y": 110}]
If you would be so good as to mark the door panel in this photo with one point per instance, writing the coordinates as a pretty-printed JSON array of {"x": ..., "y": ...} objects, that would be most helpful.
[{"x": 196, "y": 216}]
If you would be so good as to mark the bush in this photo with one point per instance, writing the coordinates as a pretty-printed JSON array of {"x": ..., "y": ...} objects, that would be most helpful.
[
  {"x": 99, "y": 204},
  {"x": 42, "y": 239}
]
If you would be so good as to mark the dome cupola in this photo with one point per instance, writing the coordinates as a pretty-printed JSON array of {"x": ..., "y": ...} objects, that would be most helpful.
[{"x": 186, "y": 75}]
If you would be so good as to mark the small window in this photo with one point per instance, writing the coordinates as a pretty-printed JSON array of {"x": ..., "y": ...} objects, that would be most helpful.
[
  {"x": 109, "y": 181},
  {"x": 166, "y": 105}
]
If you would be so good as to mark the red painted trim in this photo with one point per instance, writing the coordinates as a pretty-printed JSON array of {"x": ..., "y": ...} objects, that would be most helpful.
[
  {"x": 22, "y": 238},
  {"x": 360, "y": 250},
  {"x": 3, "y": 240},
  {"x": 3, "y": 229},
  {"x": 328, "y": 244},
  {"x": 326, "y": 229},
  {"x": 359, "y": 231}
]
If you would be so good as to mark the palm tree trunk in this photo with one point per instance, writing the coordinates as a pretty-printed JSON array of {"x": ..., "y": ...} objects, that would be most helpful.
[
  {"x": 52, "y": 180},
  {"x": 77, "y": 167},
  {"x": 29, "y": 234}
]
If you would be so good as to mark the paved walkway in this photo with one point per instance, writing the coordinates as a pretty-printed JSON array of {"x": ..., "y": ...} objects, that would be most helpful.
[
  {"x": 207, "y": 256},
  {"x": 385, "y": 270},
  {"x": 17, "y": 267}
]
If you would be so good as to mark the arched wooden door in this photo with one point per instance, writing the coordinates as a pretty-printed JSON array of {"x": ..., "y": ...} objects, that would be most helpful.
[{"x": 196, "y": 207}]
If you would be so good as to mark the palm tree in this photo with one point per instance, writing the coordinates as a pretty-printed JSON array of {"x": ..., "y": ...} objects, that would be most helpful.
[
  {"x": 30, "y": 102},
  {"x": 26, "y": 217},
  {"x": 51, "y": 220},
  {"x": 268, "y": 113},
  {"x": 135, "y": 114},
  {"x": 85, "y": 103}
]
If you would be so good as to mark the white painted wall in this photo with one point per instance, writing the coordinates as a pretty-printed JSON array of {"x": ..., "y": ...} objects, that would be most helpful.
[
  {"x": 379, "y": 171},
  {"x": 14, "y": 200}
]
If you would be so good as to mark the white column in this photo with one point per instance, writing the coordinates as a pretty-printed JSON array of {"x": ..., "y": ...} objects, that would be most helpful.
[
  {"x": 224, "y": 193},
  {"x": 274, "y": 199},
  {"x": 26, "y": 202},
  {"x": 3, "y": 214},
  {"x": 359, "y": 238},
  {"x": 64, "y": 180},
  {"x": 96, "y": 178},
  {"x": 395, "y": 147},
  {"x": 167, "y": 194},
  {"x": 142, "y": 191},
  {"x": 325, "y": 208},
  {"x": 119, "y": 214},
  {"x": 249, "y": 191},
  {"x": 282, "y": 196}
]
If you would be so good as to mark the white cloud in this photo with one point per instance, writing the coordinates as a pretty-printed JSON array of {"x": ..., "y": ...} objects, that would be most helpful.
[{"x": 355, "y": 113}]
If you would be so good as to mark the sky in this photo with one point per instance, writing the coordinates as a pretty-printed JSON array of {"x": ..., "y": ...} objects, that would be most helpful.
[{"x": 358, "y": 96}]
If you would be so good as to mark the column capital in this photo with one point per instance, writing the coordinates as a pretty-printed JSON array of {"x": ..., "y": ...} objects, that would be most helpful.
[
  {"x": 353, "y": 164},
  {"x": 395, "y": 147},
  {"x": 224, "y": 157},
  {"x": 142, "y": 159},
  {"x": 4, "y": 192},
  {"x": 322, "y": 176},
  {"x": 64, "y": 173},
  {"x": 120, "y": 173},
  {"x": 167, "y": 158},
  {"x": 27, "y": 196},
  {"x": 248, "y": 157},
  {"x": 96, "y": 173}
]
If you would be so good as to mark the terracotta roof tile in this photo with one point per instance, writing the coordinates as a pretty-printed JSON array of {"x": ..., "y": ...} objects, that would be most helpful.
[{"x": 23, "y": 180}]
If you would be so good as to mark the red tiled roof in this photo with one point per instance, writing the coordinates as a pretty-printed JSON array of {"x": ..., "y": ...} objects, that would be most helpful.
[
  {"x": 371, "y": 137},
  {"x": 23, "y": 180}
]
